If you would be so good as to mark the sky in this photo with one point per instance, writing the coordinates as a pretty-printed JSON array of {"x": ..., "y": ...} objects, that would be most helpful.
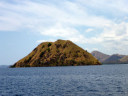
[{"x": 92, "y": 24}]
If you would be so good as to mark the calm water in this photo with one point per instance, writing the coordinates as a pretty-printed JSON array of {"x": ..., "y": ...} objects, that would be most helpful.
[{"x": 104, "y": 80}]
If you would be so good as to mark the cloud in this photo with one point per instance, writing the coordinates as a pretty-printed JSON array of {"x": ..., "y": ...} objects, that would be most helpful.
[
  {"x": 95, "y": 49},
  {"x": 108, "y": 7},
  {"x": 40, "y": 41},
  {"x": 57, "y": 19},
  {"x": 116, "y": 31},
  {"x": 89, "y": 30},
  {"x": 49, "y": 19},
  {"x": 59, "y": 30},
  {"x": 36, "y": 15},
  {"x": 65, "y": 32},
  {"x": 113, "y": 38}
]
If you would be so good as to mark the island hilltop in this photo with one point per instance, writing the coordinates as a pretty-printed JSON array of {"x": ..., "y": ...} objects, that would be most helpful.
[{"x": 58, "y": 53}]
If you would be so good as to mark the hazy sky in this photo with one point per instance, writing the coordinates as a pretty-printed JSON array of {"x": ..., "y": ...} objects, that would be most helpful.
[{"x": 92, "y": 24}]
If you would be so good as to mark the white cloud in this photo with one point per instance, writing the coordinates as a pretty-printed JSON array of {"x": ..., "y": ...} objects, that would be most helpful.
[
  {"x": 89, "y": 30},
  {"x": 107, "y": 6},
  {"x": 64, "y": 32},
  {"x": 113, "y": 38},
  {"x": 40, "y": 41},
  {"x": 116, "y": 31},
  {"x": 38, "y": 15},
  {"x": 62, "y": 19},
  {"x": 59, "y": 30},
  {"x": 95, "y": 49}
]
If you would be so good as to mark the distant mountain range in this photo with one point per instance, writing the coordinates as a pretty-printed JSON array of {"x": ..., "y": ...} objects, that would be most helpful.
[{"x": 110, "y": 59}]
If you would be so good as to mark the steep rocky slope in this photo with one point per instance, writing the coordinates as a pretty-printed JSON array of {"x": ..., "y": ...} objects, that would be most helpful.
[{"x": 59, "y": 53}]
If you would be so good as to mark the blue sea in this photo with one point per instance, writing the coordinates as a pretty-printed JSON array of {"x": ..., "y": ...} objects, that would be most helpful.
[{"x": 100, "y": 80}]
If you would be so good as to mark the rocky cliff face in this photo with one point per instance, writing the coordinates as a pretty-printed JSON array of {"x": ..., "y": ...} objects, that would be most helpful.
[{"x": 59, "y": 53}]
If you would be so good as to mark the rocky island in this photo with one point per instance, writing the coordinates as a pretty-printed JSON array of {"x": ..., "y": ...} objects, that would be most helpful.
[{"x": 58, "y": 53}]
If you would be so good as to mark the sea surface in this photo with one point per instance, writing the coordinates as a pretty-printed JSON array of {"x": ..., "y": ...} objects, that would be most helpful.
[{"x": 101, "y": 80}]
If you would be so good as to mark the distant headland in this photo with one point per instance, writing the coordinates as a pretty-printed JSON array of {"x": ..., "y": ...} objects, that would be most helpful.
[{"x": 110, "y": 59}]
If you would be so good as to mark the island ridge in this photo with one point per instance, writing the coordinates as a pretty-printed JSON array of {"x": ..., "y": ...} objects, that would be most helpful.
[{"x": 58, "y": 53}]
